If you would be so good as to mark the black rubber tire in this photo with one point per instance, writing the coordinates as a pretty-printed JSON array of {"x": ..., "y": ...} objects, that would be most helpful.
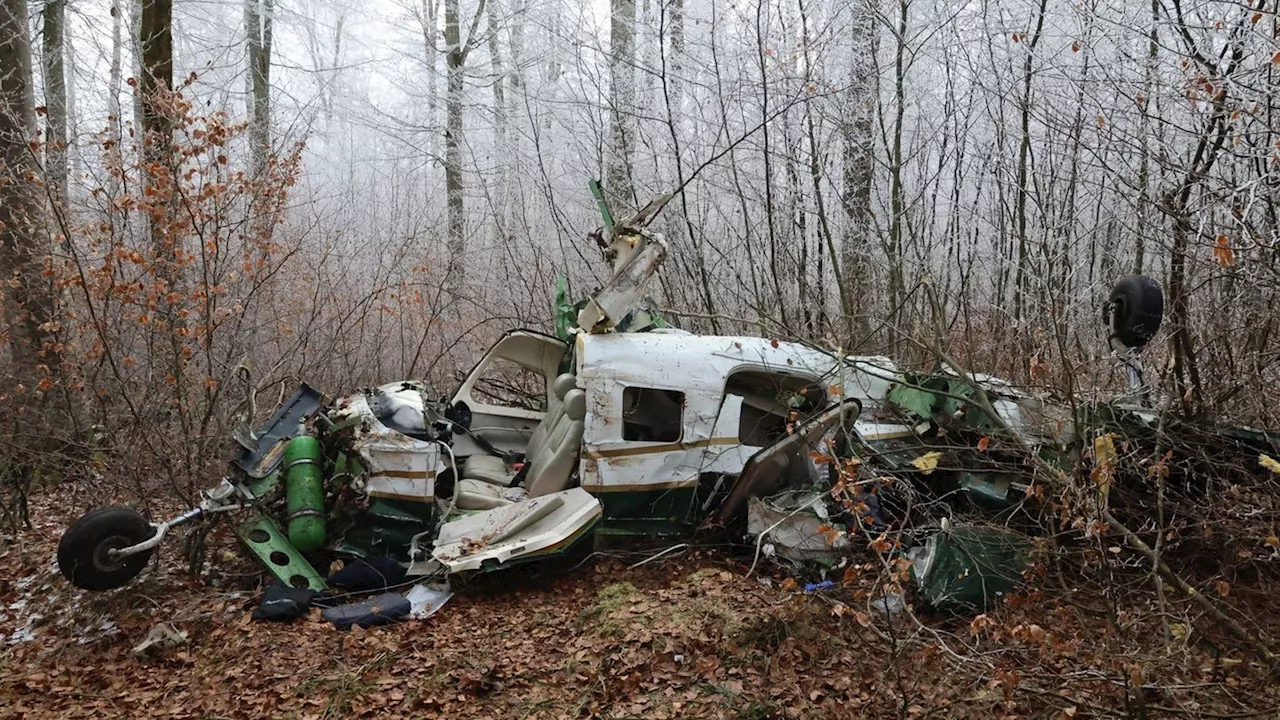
[
  {"x": 1136, "y": 307},
  {"x": 82, "y": 550}
]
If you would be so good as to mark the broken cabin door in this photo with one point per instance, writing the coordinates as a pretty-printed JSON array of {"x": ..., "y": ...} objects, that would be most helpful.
[{"x": 506, "y": 392}]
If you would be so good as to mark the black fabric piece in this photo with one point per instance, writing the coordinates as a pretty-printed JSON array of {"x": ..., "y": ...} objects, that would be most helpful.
[
  {"x": 379, "y": 610},
  {"x": 368, "y": 573},
  {"x": 281, "y": 603}
]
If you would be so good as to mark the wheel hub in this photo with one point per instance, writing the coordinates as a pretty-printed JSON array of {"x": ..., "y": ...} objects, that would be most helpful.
[{"x": 104, "y": 559}]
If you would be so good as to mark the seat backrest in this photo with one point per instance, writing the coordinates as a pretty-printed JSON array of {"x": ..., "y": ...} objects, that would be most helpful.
[
  {"x": 551, "y": 468},
  {"x": 555, "y": 409}
]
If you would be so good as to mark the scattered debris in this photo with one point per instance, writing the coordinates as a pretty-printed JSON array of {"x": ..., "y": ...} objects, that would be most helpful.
[
  {"x": 281, "y": 603},
  {"x": 377, "y": 610},
  {"x": 426, "y": 599},
  {"x": 162, "y": 637},
  {"x": 792, "y": 523},
  {"x": 968, "y": 569}
]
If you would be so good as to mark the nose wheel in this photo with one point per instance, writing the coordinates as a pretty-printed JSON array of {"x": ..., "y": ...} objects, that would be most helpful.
[{"x": 86, "y": 554}]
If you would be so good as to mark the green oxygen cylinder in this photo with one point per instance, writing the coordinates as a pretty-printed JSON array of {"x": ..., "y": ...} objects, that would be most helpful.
[{"x": 304, "y": 493}]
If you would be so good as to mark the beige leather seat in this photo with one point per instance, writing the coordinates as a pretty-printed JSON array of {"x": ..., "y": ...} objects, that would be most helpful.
[
  {"x": 550, "y": 469},
  {"x": 553, "y": 466},
  {"x": 492, "y": 469}
]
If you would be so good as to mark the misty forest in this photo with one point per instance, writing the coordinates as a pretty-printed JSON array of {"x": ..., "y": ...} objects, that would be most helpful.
[{"x": 204, "y": 203}]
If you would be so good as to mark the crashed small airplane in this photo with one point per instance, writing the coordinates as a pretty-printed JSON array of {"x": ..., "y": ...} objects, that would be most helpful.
[
  {"x": 640, "y": 432},
  {"x": 621, "y": 427}
]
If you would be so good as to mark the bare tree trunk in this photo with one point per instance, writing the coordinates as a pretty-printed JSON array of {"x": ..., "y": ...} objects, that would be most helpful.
[
  {"x": 24, "y": 244},
  {"x": 115, "y": 77},
  {"x": 762, "y": 49},
  {"x": 622, "y": 60},
  {"x": 499, "y": 76},
  {"x": 499, "y": 198},
  {"x": 671, "y": 99},
  {"x": 824, "y": 224},
  {"x": 455, "y": 60},
  {"x": 1021, "y": 274},
  {"x": 675, "y": 35},
  {"x": 897, "y": 204},
  {"x": 333, "y": 69},
  {"x": 115, "y": 156},
  {"x": 857, "y": 138},
  {"x": 258, "y": 16},
  {"x": 430, "y": 40},
  {"x": 1144, "y": 139},
  {"x": 55, "y": 101},
  {"x": 135, "y": 39},
  {"x": 156, "y": 39}
]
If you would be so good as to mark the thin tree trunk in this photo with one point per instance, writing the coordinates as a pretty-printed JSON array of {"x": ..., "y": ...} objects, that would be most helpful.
[
  {"x": 622, "y": 59},
  {"x": 857, "y": 138},
  {"x": 1144, "y": 139},
  {"x": 135, "y": 39},
  {"x": 115, "y": 154},
  {"x": 897, "y": 204},
  {"x": 455, "y": 60},
  {"x": 430, "y": 33},
  {"x": 824, "y": 224},
  {"x": 257, "y": 20},
  {"x": 24, "y": 244},
  {"x": 1021, "y": 274},
  {"x": 55, "y": 102},
  {"x": 156, "y": 39},
  {"x": 258, "y": 16}
]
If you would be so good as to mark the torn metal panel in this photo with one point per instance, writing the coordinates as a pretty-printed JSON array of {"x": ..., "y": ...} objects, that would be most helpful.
[
  {"x": 642, "y": 252},
  {"x": 791, "y": 522},
  {"x": 399, "y": 467},
  {"x": 969, "y": 568},
  {"x": 259, "y": 456},
  {"x": 521, "y": 531},
  {"x": 786, "y": 462}
]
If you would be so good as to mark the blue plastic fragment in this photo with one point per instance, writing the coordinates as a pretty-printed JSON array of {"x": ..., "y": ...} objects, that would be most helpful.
[{"x": 815, "y": 587}]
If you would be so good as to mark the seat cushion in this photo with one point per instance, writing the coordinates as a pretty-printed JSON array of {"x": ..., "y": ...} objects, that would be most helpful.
[
  {"x": 479, "y": 495},
  {"x": 488, "y": 468}
]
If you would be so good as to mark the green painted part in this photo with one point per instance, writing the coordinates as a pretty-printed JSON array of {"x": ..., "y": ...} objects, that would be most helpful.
[
  {"x": 968, "y": 569},
  {"x": 987, "y": 490},
  {"x": 671, "y": 506},
  {"x": 629, "y": 533},
  {"x": 263, "y": 538},
  {"x": 566, "y": 315},
  {"x": 259, "y": 488},
  {"x": 347, "y": 464},
  {"x": 913, "y": 398},
  {"x": 601, "y": 203},
  {"x": 387, "y": 527},
  {"x": 397, "y": 511},
  {"x": 304, "y": 493},
  {"x": 350, "y": 422}
]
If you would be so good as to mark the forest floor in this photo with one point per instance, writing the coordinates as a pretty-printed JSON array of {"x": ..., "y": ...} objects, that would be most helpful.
[{"x": 688, "y": 636}]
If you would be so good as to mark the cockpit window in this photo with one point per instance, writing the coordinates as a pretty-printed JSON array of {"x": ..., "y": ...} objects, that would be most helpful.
[{"x": 505, "y": 383}]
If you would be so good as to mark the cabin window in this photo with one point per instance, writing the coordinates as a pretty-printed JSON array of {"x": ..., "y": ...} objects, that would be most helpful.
[
  {"x": 770, "y": 400},
  {"x": 505, "y": 383},
  {"x": 652, "y": 415}
]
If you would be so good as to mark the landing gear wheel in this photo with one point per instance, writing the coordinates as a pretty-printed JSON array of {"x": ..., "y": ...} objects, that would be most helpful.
[
  {"x": 84, "y": 552},
  {"x": 1134, "y": 310}
]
